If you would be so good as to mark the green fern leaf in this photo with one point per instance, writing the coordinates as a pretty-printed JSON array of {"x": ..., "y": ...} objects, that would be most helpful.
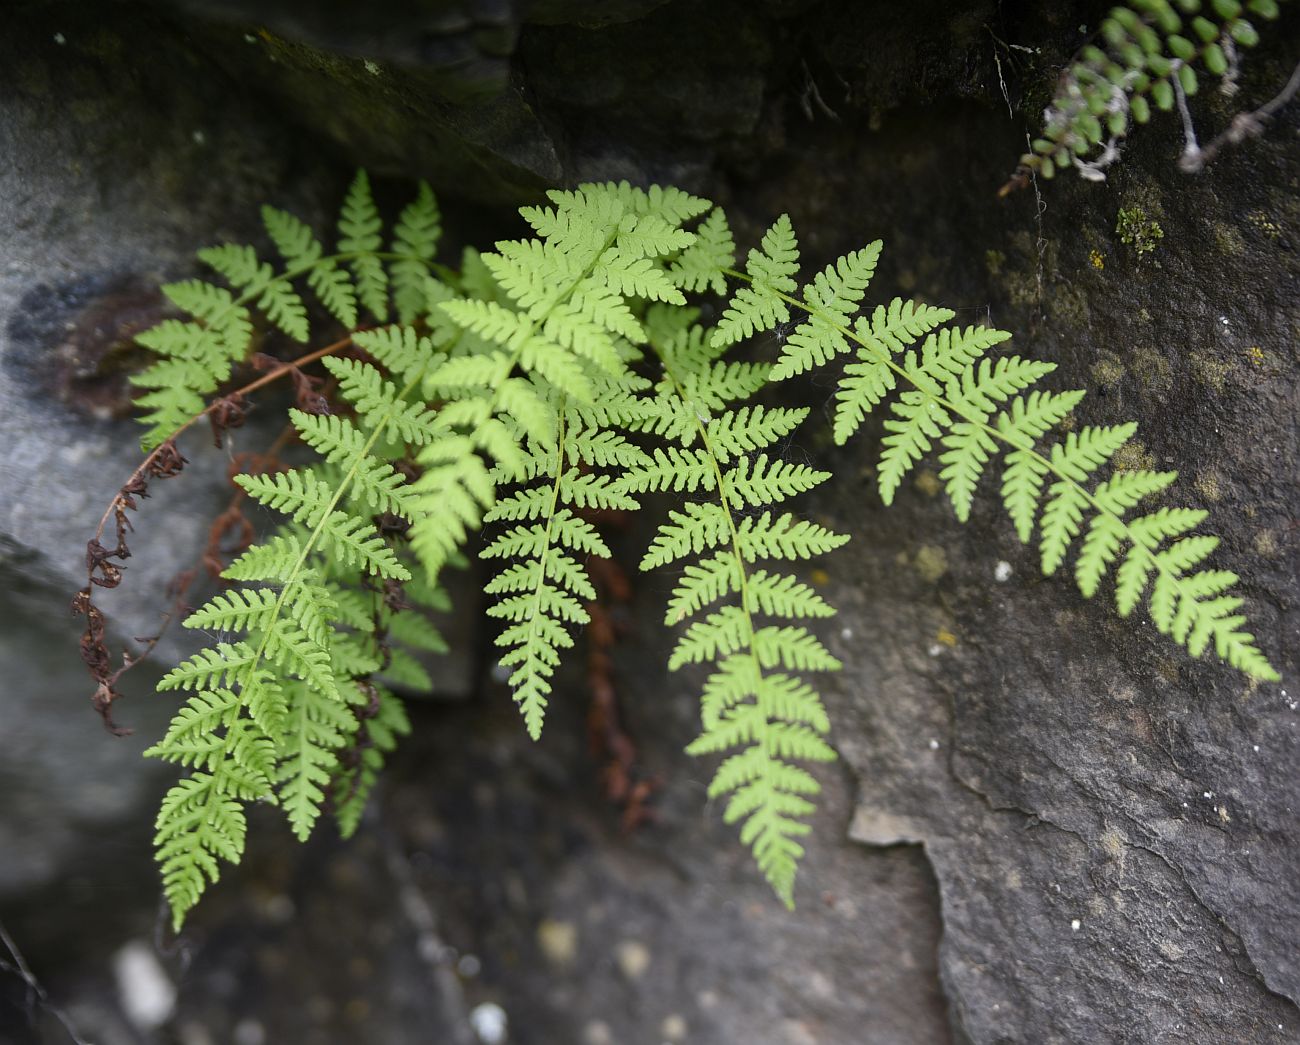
[
  {"x": 415, "y": 239},
  {"x": 761, "y": 305},
  {"x": 703, "y": 265},
  {"x": 360, "y": 236},
  {"x": 833, "y": 296}
]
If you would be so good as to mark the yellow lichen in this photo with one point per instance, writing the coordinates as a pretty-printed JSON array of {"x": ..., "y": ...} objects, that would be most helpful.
[{"x": 931, "y": 562}]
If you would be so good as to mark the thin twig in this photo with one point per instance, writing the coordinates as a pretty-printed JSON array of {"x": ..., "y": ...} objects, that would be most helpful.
[
  {"x": 163, "y": 461},
  {"x": 20, "y": 969},
  {"x": 252, "y": 386},
  {"x": 1191, "y": 157},
  {"x": 1244, "y": 125}
]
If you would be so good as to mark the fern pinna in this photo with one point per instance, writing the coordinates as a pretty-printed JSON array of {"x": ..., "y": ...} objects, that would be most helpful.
[
  {"x": 754, "y": 708},
  {"x": 568, "y": 371}
]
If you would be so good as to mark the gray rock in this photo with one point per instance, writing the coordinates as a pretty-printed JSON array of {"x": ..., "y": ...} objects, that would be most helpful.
[{"x": 1048, "y": 825}]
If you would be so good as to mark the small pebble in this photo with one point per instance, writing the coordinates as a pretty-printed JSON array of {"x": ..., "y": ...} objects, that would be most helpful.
[
  {"x": 148, "y": 995},
  {"x": 633, "y": 959},
  {"x": 489, "y": 1023},
  {"x": 558, "y": 941},
  {"x": 597, "y": 1032},
  {"x": 249, "y": 1032}
]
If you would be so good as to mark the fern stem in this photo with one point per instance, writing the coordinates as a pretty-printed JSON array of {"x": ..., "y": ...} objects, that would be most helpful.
[
  {"x": 547, "y": 542},
  {"x": 725, "y": 502},
  {"x": 979, "y": 421},
  {"x": 252, "y": 386}
]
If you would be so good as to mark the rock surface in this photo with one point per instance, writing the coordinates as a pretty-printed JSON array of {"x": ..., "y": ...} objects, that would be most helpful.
[{"x": 1047, "y": 826}]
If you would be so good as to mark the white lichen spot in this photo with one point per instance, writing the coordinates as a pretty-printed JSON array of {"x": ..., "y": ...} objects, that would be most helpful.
[
  {"x": 60, "y": 39},
  {"x": 934, "y": 745},
  {"x": 935, "y": 649},
  {"x": 1076, "y": 925},
  {"x": 846, "y": 634},
  {"x": 372, "y": 67},
  {"x": 597, "y": 1032},
  {"x": 199, "y": 138},
  {"x": 249, "y": 38},
  {"x": 1002, "y": 571},
  {"x": 148, "y": 995},
  {"x": 489, "y": 1023},
  {"x": 1256, "y": 747}
]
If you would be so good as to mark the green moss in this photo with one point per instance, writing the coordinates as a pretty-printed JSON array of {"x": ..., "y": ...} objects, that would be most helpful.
[
  {"x": 1108, "y": 370},
  {"x": 1133, "y": 456},
  {"x": 1211, "y": 371},
  {"x": 1151, "y": 368},
  {"x": 1209, "y": 484},
  {"x": 1136, "y": 230},
  {"x": 1261, "y": 221},
  {"x": 1228, "y": 241}
]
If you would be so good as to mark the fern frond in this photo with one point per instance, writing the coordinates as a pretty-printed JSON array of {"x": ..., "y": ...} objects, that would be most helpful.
[
  {"x": 316, "y": 727},
  {"x": 302, "y": 252},
  {"x": 704, "y": 264},
  {"x": 555, "y": 337},
  {"x": 943, "y": 392},
  {"x": 772, "y": 718},
  {"x": 382, "y": 728},
  {"x": 292, "y": 674},
  {"x": 544, "y": 585},
  {"x": 402, "y": 351},
  {"x": 415, "y": 240}
]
